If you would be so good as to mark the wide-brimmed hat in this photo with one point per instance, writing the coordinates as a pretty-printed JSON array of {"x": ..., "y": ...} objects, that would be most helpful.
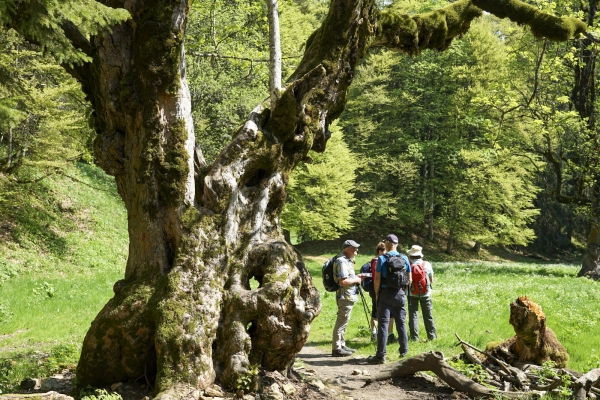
[
  {"x": 415, "y": 251},
  {"x": 352, "y": 243}
]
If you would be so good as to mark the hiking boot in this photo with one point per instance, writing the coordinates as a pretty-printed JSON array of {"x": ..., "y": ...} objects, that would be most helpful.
[
  {"x": 402, "y": 355},
  {"x": 349, "y": 349},
  {"x": 341, "y": 353},
  {"x": 376, "y": 360},
  {"x": 391, "y": 339}
]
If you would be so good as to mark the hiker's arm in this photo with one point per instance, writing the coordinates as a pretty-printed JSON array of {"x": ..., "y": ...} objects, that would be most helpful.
[
  {"x": 409, "y": 278},
  {"x": 350, "y": 281},
  {"x": 377, "y": 282}
]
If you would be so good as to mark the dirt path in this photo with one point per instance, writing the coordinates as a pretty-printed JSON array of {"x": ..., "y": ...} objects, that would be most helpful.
[{"x": 340, "y": 374}]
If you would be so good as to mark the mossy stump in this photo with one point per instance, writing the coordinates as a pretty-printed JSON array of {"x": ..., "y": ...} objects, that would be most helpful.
[{"x": 534, "y": 342}]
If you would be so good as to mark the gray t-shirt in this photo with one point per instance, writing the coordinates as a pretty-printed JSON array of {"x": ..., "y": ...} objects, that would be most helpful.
[{"x": 344, "y": 268}]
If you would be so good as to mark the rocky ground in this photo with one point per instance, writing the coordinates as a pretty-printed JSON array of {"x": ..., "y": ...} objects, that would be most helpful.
[{"x": 318, "y": 376}]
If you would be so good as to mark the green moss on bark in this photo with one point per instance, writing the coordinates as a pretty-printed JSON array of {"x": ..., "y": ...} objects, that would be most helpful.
[
  {"x": 542, "y": 25},
  {"x": 173, "y": 167},
  {"x": 433, "y": 30}
]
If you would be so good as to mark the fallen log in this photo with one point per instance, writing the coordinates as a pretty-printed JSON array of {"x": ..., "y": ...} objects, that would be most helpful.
[
  {"x": 582, "y": 386},
  {"x": 434, "y": 361}
]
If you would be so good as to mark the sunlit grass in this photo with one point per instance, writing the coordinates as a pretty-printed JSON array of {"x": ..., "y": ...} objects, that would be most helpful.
[
  {"x": 67, "y": 247},
  {"x": 473, "y": 301}
]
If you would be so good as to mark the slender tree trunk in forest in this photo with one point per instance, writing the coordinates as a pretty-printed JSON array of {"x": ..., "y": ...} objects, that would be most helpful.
[
  {"x": 450, "y": 241},
  {"x": 185, "y": 314},
  {"x": 431, "y": 203},
  {"x": 9, "y": 149},
  {"x": 274, "y": 51}
]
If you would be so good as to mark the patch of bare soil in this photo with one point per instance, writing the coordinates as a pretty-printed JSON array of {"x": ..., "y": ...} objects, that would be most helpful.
[
  {"x": 347, "y": 377},
  {"x": 319, "y": 377}
]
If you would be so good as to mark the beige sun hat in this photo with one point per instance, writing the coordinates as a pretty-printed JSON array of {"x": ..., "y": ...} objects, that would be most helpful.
[{"x": 415, "y": 251}]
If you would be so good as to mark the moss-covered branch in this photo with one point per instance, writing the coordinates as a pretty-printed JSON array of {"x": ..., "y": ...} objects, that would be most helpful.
[
  {"x": 435, "y": 30},
  {"x": 542, "y": 25}
]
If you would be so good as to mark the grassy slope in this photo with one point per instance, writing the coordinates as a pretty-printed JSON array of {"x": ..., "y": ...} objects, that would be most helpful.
[{"x": 63, "y": 245}]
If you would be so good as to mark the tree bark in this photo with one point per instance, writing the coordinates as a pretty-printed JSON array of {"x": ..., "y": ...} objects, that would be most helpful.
[{"x": 9, "y": 149}]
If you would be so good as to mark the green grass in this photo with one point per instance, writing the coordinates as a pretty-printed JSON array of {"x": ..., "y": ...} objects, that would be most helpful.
[
  {"x": 473, "y": 301},
  {"x": 62, "y": 245}
]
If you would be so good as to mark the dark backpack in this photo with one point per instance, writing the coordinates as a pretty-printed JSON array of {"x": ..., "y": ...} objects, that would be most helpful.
[
  {"x": 396, "y": 272},
  {"x": 419, "y": 279},
  {"x": 327, "y": 273},
  {"x": 366, "y": 283}
]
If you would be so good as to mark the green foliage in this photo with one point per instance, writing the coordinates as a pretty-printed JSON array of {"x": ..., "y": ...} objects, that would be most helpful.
[
  {"x": 319, "y": 201},
  {"x": 43, "y": 114},
  {"x": 471, "y": 371},
  {"x": 490, "y": 198},
  {"x": 43, "y": 22},
  {"x": 445, "y": 164},
  {"x": 247, "y": 381},
  {"x": 90, "y": 393},
  {"x": 546, "y": 373},
  {"x": 15, "y": 368}
]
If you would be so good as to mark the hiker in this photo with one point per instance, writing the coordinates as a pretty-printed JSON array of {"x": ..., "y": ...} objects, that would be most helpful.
[
  {"x": 346, "y": 296},
  {"x": 392, "y": 276},
  {"x": 420, "y": 292},
  {"x": 379, "y": 250}
]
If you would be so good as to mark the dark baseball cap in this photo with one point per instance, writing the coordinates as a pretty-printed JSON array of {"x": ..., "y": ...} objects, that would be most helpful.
[
  {"x": 352, "y": 243},
  {"x": 392, "y": 238}
]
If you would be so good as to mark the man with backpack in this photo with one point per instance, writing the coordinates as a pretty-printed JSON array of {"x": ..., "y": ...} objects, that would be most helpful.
[
  {"x": 346, "y": 295},
  {"x": 392, "y": 278},
  {"x": 420, "y": 293}
]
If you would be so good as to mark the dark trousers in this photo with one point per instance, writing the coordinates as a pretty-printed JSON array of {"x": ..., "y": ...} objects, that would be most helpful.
[{"x": 392, "y": 303}]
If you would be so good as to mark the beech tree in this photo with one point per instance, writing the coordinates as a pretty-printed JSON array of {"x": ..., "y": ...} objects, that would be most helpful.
[{"x": 185, "y": 312}]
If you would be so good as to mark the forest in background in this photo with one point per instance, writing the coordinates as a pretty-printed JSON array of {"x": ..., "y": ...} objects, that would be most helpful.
[{"x": 489, "y": 143}]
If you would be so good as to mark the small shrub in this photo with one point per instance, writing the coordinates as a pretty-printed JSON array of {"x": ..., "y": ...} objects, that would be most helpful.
[
  {"x": 247, "y": 381},
  {"x": 44, "y": 289},
  {"x": 90, "y": 393},
  {"x": 472, "y": 371}
]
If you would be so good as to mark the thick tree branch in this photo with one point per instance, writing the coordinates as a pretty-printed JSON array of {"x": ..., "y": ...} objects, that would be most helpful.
[{"x": 76, "y": 37}]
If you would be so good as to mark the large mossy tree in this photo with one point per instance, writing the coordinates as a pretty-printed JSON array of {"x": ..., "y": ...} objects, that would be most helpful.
[{"x": 185, "y": 312}]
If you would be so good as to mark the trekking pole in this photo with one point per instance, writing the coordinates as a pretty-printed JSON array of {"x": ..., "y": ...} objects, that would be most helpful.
[{"x": 365, "y": 307}]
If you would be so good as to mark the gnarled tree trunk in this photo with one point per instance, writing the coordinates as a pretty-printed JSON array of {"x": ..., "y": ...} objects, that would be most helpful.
[{"x": 185, "y": 312}]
